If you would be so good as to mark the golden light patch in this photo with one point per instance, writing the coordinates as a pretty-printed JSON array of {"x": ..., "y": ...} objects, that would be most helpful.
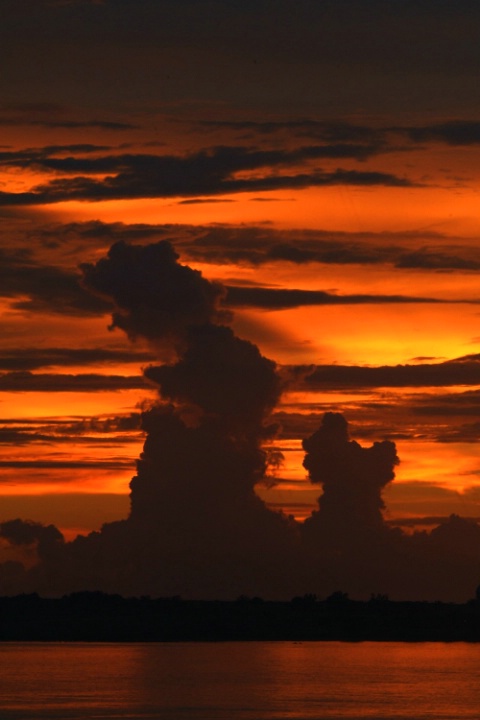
[
  {"x": 80, "y": 404},
  {"x": 455, "y": 466}
]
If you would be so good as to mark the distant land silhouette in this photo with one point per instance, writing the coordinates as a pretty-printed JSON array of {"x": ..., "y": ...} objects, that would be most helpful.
[{"x": 99, "y": 617}]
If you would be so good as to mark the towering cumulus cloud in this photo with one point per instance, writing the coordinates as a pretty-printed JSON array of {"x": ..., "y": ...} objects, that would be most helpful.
[
  {"x": 347, "y": 538},
  {"x": 154, "y": 295},
  {"x": 196, "y": 527},
  {"x": 352, "y": 478}
]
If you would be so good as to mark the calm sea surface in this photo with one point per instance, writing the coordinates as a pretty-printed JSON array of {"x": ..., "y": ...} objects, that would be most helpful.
[{"x": 239, "y": 681}]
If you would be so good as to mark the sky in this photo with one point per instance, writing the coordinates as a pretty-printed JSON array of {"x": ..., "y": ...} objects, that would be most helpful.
[{"x": 240, "y": 347}]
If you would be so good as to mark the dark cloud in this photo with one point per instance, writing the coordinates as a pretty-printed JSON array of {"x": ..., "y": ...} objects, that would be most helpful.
[
  {"x": 23, "y": 437},
  {"x": 47, "y": 539},
  {"x": 324, "y": 130},
  {"x": 437, "y": 260},
  {"x": 351, "y": 545},
  {"x": 432, "y": 521},
  {"x": 80, "y": 235},
  {"x": 454, "y": 132},
  {"x": 24, "y": 381},
  {"x": 223, "y": 375},
  {"x": 117, "y": 464},
  {"x": 374, "y": 139},
  {"x": 44, "y": 288},
  {"x": 34, "y": 157},
  {"x": 31, "y": 358},
  {"x": 196, "y": 526},
  {"x": 461, "y": 371},
  {"x": 352, "y": 478},
  {"x": 156, "y": 297},
  {"x": 227, "y": 244},
  {"x": 88, "y": 431},
  {"x": 96, "y": 124},
  {"x": 52, "y": 115},
  {"x": 193, "y": 495},
  {"x": 211, "y": 172},
  {"x": 274, "y": 299},
  {"x": 412, "y": 415},
  {"x": 201, "y": 201},
  {"x": 259, "y": 245}
]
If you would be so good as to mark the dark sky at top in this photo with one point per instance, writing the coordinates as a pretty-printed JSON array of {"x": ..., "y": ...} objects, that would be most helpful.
[{"x": 271, "y": 56}]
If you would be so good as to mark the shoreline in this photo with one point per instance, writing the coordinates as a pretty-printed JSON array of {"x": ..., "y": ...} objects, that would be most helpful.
[{"x": 99, "y": 617}]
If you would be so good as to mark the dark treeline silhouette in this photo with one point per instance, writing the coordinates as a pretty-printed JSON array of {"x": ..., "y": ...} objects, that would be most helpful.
[{"x": 96, "y": 616}]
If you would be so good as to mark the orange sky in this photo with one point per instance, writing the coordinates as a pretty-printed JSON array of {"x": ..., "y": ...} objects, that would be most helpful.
[
  {"x": 335, "y": 175},
  {"x": 365, "y": 334}
]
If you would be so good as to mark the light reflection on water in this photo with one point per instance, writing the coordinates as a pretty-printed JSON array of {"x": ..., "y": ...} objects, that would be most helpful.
[{"x": 239, "y": 681}]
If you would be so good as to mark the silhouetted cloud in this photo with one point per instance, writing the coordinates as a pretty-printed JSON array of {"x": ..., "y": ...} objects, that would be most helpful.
[
  {"x": 196, "y": 526},
  {"x": 55, "y": 116},
  {"x": 40, "y": 287},
  {"x": 96, "y": 431},
  {"x": 461, "y": 371},
  {"x": 328, "y": 131},
  {"x": 453, "y": 132},
  {"x": 20, "y": 532},
  {"x": 208, "y": 172},
  {"x": 352, "y": 479},
  {"x": 31, "y": 358},
  {"x": 37, "y": 286},
  {"x": 275, "y": 299},
  {"x": 117, "y": 464},
  {"x": 260, "y": 244},
  {"x": 24, "y": 381},
  {"x": 156, "y": 297},
  {"x": 223, "y": 375},
  {"x": 374, "y": 139}
]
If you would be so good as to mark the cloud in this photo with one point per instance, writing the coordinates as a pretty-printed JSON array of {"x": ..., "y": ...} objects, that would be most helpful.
[
  {"x": 23, "y": 381},
  {"x": 258, "y": 244},
  {"x": 352, "y": 479},
  {"x": 344, "y": 133},
  {"x": 208, "y": 172},
  {"x": 353, "y": 546},
  {"x": 219, "y": 244},
  {"x": 193, "y": 495},
  {"x": 364, "y": 140},
  {"x": 84, "y": 235},
  {"x": 96, "y": 431},
  {"x": 41, "y": 287},
  {"x": 30, "y": 358},
  {"x": 226, "y": 377},
  {"x": 453, "y": 132},
  {"x": 156, "y": 297},
  {"x": 461, "y": 371},
  {"x": 196, "y": 526},
  {"x": 273, "y": 299},
  {"x": 201, "y": 201},
  {"x": 119, "y": 464},
  {"x": 38, "y": 284},
  {"x": 55, "y": 116},
  {"x": 437, "y": 260},
  {"x": 20, "y": 532}
]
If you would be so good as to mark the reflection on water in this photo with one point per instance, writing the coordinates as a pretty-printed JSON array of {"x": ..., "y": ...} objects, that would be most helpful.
[{"x": 239, "y": 681}]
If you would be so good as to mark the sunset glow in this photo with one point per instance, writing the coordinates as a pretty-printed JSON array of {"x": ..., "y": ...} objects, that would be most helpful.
[{"x": 213, "y": 234}]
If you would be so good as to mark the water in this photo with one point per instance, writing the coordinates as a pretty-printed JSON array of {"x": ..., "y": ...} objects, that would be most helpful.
[{"x": 239, "y": 681}]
